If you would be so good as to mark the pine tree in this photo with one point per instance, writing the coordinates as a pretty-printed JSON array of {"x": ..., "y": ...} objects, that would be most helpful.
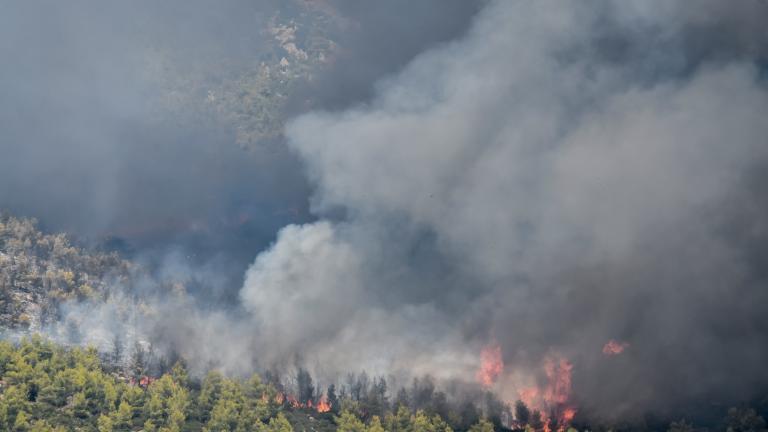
[
  {"x": 333, "y": 400},
  {"x": 138, "y": 362},
  {"x": 306, "y": 388},
  {"x": 482, "y": 426},
  {"x": 348, "y": 422},
  {"x": 116, "y": 356},
  {"x": 522, "y": 413},
  {"x": 279, "y": 424},
  {"x": 375, "y": 425}
]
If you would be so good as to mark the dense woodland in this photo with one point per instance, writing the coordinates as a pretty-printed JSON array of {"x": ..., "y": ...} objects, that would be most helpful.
[
  {"x": 40, "y": 271},
  {"x": 45, "y": 386}
]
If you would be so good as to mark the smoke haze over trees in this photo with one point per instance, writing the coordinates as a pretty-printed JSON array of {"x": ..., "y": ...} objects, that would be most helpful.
[{"x": 573, "y": 192}]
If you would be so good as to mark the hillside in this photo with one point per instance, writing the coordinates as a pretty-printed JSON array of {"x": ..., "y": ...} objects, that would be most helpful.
[
  {"x": 45, "y": 387},
  {"x": 39, "y": 272}
]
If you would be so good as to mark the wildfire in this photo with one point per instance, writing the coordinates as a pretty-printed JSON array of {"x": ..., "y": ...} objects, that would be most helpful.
[
  {"x": 568, "y": 414},
  {"x": 613, "y": 347},
  {"x": 491, "y": 365},
  {"x": 322, "y": 405},
  {"x": 529, "y": 396},
  {"x": 553, "y": 399},
  {"x": 293, "y": 401},
  {"x": 143, "y": 382},
  {"x": 559, "y": 380}
]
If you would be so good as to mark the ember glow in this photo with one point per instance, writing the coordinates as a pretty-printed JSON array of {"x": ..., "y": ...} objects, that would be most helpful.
[
  {"x": 491, "y": 365},
  {"x": 613, "y": 347}
]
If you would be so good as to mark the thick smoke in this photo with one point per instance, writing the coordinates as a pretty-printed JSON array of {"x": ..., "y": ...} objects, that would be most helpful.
[
  {"x": 109, "y": 127},
  {"x": 102, "y": 136},
  {"x": 555, "y": 177},
  {"x": 109, "y": 132},
  {"x": 564, "y": 175}
]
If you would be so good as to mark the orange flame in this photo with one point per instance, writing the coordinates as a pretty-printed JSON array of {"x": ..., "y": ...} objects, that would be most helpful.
[
  {"x": 529, "y": 395},
  {"x": 559, "y": 376},
  {"x": 293, "y": 401},
  {"x": 491, "y": 365},
  {"x": 568, "y": 414},
  {"x": 553, "y": 399},
  {"x": 323, "y": 405},
  {"x": 613, "y": 347}
]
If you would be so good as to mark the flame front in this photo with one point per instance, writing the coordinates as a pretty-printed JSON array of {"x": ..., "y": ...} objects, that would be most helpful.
[
  {"x": 321, "y": 406},
  {"x": 491, "y": 365}
]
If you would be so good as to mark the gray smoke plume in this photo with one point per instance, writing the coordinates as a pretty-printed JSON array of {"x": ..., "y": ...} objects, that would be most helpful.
[
  {"x": 564, "y": 175},
  {"x": 121, "y": 123},
  {"x": 124, "y": 125},
  {"x": 553, "y": 177}
]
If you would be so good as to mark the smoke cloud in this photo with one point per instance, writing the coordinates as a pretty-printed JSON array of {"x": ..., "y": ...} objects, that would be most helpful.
[
  {"x": 121, "y": 124},
  {"x": 550, "y": 177},
  {"x": 562, "y": 176}
]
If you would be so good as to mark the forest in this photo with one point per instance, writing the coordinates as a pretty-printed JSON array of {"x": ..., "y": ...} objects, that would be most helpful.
[
  {"x": 400, "y": 216},
  {"x": 67, "y": 385},
  {"x": 46, "y": 387}
]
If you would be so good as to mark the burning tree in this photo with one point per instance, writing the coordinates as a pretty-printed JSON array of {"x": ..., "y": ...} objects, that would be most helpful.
[{"x": 306, "y": 387}]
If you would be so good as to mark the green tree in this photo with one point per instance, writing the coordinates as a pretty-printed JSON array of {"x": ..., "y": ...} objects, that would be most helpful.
[
  {"x": 259, "y": 403},
  {"x": 482, "y": 426},
  {"x": 209, "y": 395},
  {"x": 399, "y": 421},
  {"x": 421, "y": 422},
  {"x": 122, "y": 419},
  {"x": 332, "y": 398},
  {"x": 348, "y": 422},
  {"x": 279, "y": 424},
  {"x": 306, "y": 388},
  {"x": 166, "y": 404},
  {"x": 230, "y": 409},
  {"x": 224, "y": 417},
  {"x": 179, "y": 373},
  {"x": 21, "y": 424},
  {"x": 138, "y": 366},
  {"x": 375, "y": 425},
  {"x": 104, "y": 423},
  {"x": 43, "y": 426}
]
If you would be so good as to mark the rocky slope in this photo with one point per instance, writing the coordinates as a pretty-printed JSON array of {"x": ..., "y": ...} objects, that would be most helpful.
[{"x": 39, "y": 272}]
